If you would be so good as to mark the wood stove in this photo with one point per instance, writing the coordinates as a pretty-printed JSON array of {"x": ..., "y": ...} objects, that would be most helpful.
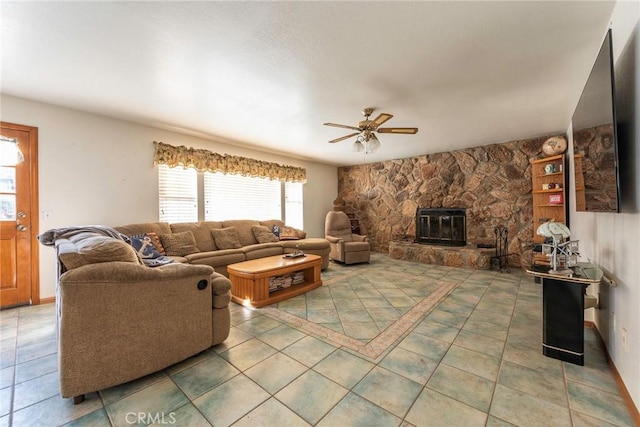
[{"x": 441, "y": 226}]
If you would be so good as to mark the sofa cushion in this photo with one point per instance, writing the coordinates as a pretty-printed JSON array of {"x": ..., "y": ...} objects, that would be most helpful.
[
  {"x": 201, "y": 231},
  {"x": 226, "y": 238},
  {"x": 179, "y": 244},
  {"x": 288, "y": 233},
  {"x": 98, "y": 249},
  {"x": 261, "y": 250},
  {"x": 221, "y": 257},
  {"x": 243, "y": 226},
  {"x": 263, "y": 234}
]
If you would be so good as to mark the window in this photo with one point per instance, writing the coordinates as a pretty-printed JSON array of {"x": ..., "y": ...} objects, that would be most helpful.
[
  {"x": 178, "y": 194},
  {"x": 293, "y": 204},
  {"x": 226, "y": 197},
  {"x": 241, "y": 197}
]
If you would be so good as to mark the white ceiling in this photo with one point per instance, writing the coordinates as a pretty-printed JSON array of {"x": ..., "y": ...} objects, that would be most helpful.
[{"x": 268, "y": 74}]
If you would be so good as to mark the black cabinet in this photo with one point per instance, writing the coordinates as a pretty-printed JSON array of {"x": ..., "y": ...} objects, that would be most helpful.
[
  {"x": 563, "y": 319},
  {"x": 563, "y": 310}
]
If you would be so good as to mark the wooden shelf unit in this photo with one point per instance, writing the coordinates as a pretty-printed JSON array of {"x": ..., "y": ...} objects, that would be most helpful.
[
  {"x": 355, "y": 224},
  {"x": 544, "y": 209},
  {"x": 581, "y": 203}
]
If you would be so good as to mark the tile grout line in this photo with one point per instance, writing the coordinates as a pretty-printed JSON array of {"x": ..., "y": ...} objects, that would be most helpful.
[{"x": 504, "y": 349}]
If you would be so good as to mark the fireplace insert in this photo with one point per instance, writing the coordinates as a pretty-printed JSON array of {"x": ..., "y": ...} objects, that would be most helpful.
[{"x": 441, "y": 226}]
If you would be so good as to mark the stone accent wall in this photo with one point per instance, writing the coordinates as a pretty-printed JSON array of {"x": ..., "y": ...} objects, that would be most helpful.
[
  {"x": 597, "y": 147},
  {"x": 492, "y": 182}
]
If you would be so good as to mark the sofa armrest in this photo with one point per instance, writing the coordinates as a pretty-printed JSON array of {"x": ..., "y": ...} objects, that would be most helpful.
[
  {"x": 220, "y": 284},
  {"x": 332, "y": 239},
  {"x": 360, "y": 238}
]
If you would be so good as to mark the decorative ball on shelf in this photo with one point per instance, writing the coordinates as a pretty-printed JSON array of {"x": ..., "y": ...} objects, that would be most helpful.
[{"x": 554, "y": 146}]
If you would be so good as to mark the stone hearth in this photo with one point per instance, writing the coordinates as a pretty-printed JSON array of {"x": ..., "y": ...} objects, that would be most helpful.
[{"x": 466, "y": 257}]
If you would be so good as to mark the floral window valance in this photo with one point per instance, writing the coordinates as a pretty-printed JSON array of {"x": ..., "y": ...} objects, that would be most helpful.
[{"x": 205, "y": 160}]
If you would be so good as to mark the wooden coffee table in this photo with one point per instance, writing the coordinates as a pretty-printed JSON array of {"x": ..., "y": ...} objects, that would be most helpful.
[{"x": 250, "y": 279}]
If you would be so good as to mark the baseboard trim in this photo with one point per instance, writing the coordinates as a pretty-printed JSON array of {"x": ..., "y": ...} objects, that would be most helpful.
[
  {"x": 635, "y": 415},
  {"x": 46, "y": 300}
]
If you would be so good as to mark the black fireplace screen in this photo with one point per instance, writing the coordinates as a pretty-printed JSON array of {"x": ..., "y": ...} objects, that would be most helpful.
[{"x": 441, "y": 226}]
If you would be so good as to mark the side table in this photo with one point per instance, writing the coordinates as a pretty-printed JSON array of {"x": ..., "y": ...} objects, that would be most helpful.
[{"x": 563, "y": 311}]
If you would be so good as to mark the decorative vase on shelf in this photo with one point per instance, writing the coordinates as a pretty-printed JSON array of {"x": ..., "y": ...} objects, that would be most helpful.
[{"x": 554, "y": 146}]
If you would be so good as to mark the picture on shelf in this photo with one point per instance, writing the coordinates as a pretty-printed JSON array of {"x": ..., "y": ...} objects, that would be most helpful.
[{"x": 555, "y": 199}]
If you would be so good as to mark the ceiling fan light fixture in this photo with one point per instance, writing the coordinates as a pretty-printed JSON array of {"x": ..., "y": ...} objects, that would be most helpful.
[
  {"x": 367, "y": 141},
  {"x": 373, "y": 143}
]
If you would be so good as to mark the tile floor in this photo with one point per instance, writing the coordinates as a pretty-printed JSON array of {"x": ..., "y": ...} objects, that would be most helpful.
[{"x": 474, "y": 358}]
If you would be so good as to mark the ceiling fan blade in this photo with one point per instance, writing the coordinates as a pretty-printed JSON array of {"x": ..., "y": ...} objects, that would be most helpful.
[
  {"x": 344, "y": 137},
  {"x": 398, "y": 130},
  {"x": 382, "y": 117},
  {"x": 341, "y": 126}
]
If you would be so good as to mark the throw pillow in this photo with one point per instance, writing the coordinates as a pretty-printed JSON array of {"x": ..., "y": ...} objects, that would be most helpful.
[
  {"x": 144, "y": 246},
  {"x": 263, "y": 234},
  {"x": 226, "y": 238},
  {"x": 276, "y": 231},
  {"x": 156, "y": 242},
  {"x": 179, "y": 244},
  {"x": 288, "y": 233}
]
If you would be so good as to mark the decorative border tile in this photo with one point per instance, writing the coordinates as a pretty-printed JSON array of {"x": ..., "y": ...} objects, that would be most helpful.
[{"x": 380, "y": 343}]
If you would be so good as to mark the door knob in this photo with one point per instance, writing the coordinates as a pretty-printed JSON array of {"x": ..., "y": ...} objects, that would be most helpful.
[
  {"x": 21, "y": 214},
  {"x": 22, "y": 227}
]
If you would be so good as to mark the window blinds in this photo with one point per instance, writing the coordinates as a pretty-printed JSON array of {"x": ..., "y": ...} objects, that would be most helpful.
[
  {"x": 178, "y": 194},
  {"x": 293, "y": 204},
  {"x": 239, "y": 197}
]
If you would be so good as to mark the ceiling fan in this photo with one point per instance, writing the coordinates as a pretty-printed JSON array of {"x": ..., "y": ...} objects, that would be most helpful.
[{"x": 367, "y": 139}]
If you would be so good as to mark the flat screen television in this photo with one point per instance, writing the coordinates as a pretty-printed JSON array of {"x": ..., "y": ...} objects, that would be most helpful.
[{"x": 595, "y": 150}]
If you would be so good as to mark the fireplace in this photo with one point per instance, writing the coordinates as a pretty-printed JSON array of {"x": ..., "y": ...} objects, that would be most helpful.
[{"x": 441, "y": 226}]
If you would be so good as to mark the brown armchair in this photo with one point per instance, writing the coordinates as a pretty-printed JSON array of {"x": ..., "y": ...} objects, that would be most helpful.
[{"x": 346, "y": 247}]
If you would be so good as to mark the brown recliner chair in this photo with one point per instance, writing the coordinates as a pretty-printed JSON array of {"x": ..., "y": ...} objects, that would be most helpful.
[{"x": 346, "y": 247}]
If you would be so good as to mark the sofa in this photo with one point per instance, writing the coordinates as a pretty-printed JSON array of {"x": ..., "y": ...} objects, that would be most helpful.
[
  {"x": 220, "y": 243},
  {"x": 119, "y": 320}
]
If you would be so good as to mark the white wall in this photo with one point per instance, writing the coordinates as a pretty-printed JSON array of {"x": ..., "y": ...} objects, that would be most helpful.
[
  {"x": 98, "y": 170},
  {"x": 613, "y": 240}
]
